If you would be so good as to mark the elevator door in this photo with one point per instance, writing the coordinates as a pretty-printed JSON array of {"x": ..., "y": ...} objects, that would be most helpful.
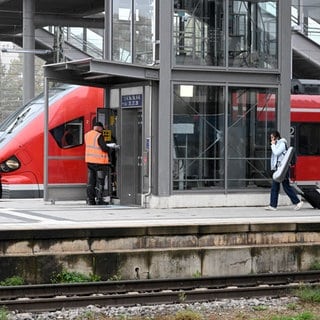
[{"x": 131, "y": 150}]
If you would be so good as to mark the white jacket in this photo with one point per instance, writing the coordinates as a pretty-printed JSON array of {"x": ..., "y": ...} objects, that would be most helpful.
[{"x": 278, "y": 151}]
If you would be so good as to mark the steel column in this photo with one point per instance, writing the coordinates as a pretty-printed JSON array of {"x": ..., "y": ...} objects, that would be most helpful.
[{"x": 28, "y": 44}]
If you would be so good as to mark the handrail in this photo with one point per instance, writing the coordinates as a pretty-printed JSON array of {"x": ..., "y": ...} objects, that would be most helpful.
[
  {"x": 85, "y": 45},
  {"x": 79, "y": 42},
  {"x": 311, "y": 32}
]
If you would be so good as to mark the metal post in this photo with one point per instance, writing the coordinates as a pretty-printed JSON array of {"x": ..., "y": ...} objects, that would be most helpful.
[
  {"x": 58, "y": 44},
  {"x": 165, "y": 95},
  {"x": 28, "y": 44},
  {"x": 107, "y": 54},
  {"x": 45, "y": 139}
]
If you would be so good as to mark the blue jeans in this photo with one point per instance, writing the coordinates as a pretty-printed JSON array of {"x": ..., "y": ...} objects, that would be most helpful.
[{"x": 275, "y": 189}]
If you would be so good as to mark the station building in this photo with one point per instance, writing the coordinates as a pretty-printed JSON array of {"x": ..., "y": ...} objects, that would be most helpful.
[{"x": 193, "y": 89}]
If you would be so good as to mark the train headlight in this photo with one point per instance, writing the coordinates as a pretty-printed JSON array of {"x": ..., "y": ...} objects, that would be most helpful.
[{"x": 10, "y": 164}]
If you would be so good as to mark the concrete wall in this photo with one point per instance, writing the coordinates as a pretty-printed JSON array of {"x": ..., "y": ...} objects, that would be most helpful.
[
  {"x": 197, "y": 200},
  {"x": 159, "y": 252}
]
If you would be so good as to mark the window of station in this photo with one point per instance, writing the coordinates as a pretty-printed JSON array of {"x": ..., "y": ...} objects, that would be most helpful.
[
  {"x": 133, "y": 36},
  {"x": 198, "y": 137},
  {"x": 122, "y": 32},
  {"x": 198, "y": 32},
  {"x": 253, "y": 27},
  {"x": 69, "y": 134},
  {"x": 209, "y": 155},
  {"x": 251, "y": 118}
]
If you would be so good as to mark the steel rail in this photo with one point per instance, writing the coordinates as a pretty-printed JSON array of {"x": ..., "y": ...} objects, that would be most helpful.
[
  {"x": 53, "y": 297},
  {"x": 130, "y": 299},
  {"x": 47, "y": 290}
]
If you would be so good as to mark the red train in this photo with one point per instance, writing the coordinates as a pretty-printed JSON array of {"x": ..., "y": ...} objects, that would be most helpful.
[
  {"x": 305, "y": 133},
  {"x": 71, "y": 112}
]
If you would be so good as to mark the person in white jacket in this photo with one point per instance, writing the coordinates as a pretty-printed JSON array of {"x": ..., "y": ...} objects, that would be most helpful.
[{"x": 278, "y": 148}]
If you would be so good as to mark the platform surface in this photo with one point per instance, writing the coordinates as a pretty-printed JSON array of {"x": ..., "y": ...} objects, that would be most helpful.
[{"x": 22, "y": 214}]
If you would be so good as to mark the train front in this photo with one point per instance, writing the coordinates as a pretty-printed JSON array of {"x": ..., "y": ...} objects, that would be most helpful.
[
  {"x": 21, "y": 151},
  {"x": 22, "y": 141},
  {"x": 21, "y": 145}
]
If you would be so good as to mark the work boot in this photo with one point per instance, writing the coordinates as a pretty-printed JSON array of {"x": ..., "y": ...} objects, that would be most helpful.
[{"x": 91, "y": 202}]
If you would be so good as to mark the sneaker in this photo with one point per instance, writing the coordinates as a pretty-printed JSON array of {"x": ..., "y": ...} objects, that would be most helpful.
[
  {"x": 298, "y": 206},
  {"x": 270, "y": 208},
  {"x": 101, "y": 202}
]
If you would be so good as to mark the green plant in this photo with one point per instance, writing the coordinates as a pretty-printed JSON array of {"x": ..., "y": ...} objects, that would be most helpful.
[
  {"x": 66, "y": 276},
  {"x": 90, "y": 315},
  {"x": 12, "y": 281},
  {"x": 3, "y": 313},
  {"x": 116, "y": 277},
  {"x": 292, "y": 306},
  {"x": 302, "y": 316},
  {"x": 182, "y": 297},
  {"x": 308, "y": 294},
  {"x": 259, "y": 308},
  {"x": 197, "y": 274},
  {"x": 187, "y": 315},
  {"x": 315, "y": 265}
]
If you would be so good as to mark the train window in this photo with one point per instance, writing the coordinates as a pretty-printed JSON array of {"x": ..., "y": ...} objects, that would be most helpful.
[
  {"x": 69, "y": 134},
  {"x": 308, "y": 139}
]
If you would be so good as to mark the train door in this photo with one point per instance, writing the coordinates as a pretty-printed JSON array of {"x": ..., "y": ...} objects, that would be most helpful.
[
  {"x": 133, "y": 123},
  {"x": 130, "y": 185}
]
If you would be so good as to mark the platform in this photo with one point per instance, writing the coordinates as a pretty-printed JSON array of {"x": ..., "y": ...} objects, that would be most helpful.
[
  {"x": 39, "y": 239},
  {"x": 19, "y": 214}
]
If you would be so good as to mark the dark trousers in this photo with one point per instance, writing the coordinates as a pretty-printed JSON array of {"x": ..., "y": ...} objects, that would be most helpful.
[
  {"x": 275, "y": 189},
  {"x": 96, "y": 180}
]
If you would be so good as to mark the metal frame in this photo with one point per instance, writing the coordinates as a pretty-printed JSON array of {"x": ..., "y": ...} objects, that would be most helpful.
[{"x": 105, "y": 73}]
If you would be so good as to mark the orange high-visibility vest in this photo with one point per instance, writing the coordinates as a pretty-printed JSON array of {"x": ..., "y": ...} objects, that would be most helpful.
[{"x": 94, "y": 154}]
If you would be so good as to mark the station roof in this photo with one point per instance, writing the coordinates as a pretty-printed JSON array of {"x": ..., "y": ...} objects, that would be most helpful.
[
  {"x": 99, "y": 73},
  {"x": 89, "y": 13},
  {"x": 48, "y": 12},
  {"x": 80, "y": 12}
]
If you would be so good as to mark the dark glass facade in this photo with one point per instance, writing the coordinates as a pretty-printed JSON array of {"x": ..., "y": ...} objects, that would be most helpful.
[
  {"x": 218, "y": 146},
  {"x": 219, "y": 130}
]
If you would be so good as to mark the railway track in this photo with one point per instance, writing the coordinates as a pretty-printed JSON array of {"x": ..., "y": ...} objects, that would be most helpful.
[{"x": 50, "y": 297}]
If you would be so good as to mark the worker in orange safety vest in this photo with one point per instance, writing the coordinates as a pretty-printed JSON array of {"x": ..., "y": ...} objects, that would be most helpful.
[{"x": 98, "y": 162}]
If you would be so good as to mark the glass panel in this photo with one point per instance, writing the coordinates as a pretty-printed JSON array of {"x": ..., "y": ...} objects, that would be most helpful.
[
  {"x": 144, "y": 31},
  {"x": 198, "y": 32},
  {"x": 133, "y": 34},
  {"x": 313, "y": 30},
  {"x": 94, "y": 44},
  {"x": 76, "y": 37},
  {"x": 295, "y": 17},
  {"x": 90, "y": 41},
  {"x": 122, "y": 31},
  {"x": 251, "y": 118},
  {"x": 66, "y": 133},
  {"x": 253, "y": 41},
  {"x": 198, "y": 147}
]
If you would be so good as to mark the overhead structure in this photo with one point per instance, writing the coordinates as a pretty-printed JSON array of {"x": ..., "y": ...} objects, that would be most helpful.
[{"x": 46, "y": 13}]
